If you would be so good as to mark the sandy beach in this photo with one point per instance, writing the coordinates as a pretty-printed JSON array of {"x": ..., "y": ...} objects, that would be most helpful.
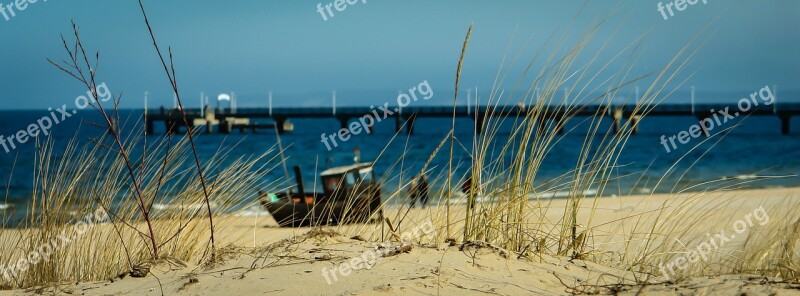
[{"x": 261, "y": 259}]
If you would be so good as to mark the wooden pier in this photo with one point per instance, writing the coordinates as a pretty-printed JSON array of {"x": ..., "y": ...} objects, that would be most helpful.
[{"x": 243, "y": 118}]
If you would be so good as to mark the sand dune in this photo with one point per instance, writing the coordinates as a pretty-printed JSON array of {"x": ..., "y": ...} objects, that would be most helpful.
[{"x": 261, "y": 259}]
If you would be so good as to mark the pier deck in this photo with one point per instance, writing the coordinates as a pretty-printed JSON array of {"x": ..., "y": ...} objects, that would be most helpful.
[{"x": 226, "y": 120}]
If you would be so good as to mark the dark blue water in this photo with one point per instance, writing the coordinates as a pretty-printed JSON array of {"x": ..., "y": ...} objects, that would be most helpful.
[{"x": 755, "y": 148}]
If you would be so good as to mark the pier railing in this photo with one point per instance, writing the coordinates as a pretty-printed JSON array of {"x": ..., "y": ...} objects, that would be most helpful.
[{"x": 406, "y": 116}]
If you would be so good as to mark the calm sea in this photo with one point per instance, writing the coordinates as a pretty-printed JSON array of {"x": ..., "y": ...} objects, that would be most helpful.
[{"x": 755, "y": 148}]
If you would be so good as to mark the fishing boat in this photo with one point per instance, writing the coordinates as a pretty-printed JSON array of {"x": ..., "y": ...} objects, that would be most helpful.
[{"x": 351, "y": 194}]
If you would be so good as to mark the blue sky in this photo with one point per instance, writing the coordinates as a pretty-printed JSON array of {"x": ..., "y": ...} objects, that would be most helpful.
[{"x": 371, "y": 50}]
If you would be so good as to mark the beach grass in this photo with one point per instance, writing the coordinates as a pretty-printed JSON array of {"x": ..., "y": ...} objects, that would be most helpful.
[{"x": 91, "y": 180}]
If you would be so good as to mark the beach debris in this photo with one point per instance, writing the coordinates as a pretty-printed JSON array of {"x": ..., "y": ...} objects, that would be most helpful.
[
  {"x": 430, "y": 246},
  {"x": 358, "y": 238},
  {"x": 383, "y": 288},
  {"x": 489, "y": 291},
  {"x": 321, "y": 233},
  {"x": 192, "y": 280},
  {"x": 394, "y": 250},
  {"x": 322, "y": 257},
  {"x": 140, "y": 271},
  {"x": 474, "y": 246}
]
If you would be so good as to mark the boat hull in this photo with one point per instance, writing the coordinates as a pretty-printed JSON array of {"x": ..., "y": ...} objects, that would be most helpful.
[{"x": 293, "y": 213}]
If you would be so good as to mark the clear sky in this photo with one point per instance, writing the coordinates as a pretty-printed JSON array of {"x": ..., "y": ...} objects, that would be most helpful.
[{"x": 371, "y": 50}]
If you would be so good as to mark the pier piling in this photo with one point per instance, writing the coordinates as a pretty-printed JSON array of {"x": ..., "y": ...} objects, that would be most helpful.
[
  {"x": 785, "y": 123},
  {"x": 617, "y": 117}
]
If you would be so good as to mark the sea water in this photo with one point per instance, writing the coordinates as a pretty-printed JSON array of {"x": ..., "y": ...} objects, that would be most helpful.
[{"x": 754, "y": 154}]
